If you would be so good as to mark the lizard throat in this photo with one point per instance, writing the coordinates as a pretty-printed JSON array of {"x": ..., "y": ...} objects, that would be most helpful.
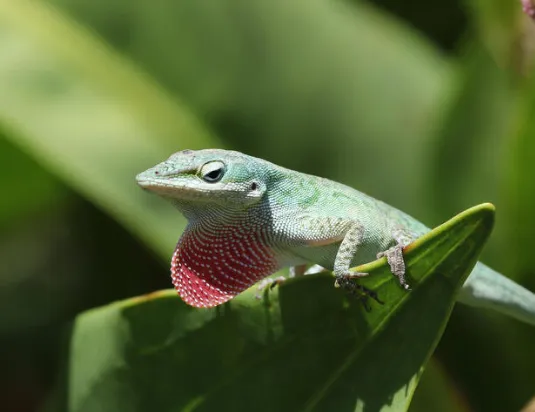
[{"x": 211, "y": 265}]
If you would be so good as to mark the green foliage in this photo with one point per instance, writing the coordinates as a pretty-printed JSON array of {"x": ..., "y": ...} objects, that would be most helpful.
[
  {"x": 93, "y": 92},
  {"x": 156, "y": 352},
  {"x": 280, "y": 78},
  {"x": 30, "y": 190},
  {"x": 89, "y": 115}
]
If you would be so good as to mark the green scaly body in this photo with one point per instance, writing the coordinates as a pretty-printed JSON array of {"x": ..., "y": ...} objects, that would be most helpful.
[{"x": 248, "y": 218}]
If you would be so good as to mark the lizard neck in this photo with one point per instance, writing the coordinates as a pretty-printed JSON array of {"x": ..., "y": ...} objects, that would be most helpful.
[{"x": 217, "y": 258}]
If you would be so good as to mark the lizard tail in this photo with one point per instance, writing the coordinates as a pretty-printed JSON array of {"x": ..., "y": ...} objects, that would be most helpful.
[{"x": 486, "y": 288}]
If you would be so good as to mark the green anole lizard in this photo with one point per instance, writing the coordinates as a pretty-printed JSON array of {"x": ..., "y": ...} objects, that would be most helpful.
[{"x": 247, "y": 218}]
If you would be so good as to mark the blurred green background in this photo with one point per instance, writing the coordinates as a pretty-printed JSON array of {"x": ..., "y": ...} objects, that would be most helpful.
[{"x": 429, "y": 106}]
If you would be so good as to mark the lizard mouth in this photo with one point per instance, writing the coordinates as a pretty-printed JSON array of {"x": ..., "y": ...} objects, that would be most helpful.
[
  {"x": 166, "y": 187},
  {"x": 157, "y": 186}
]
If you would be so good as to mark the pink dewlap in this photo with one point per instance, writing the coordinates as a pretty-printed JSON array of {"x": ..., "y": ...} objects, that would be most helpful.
[{"x": 210, "y": 268}]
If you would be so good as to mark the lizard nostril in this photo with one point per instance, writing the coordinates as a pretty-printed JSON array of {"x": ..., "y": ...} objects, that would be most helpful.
[{"x": 156, "y": 172}]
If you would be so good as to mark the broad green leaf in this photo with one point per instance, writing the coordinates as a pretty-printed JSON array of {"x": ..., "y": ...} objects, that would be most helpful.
[
  {"x": 90, "y": 116},
  {"x": 305, "y": 346}
]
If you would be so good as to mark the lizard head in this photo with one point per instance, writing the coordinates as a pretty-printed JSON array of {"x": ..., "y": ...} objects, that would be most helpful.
[
  {"x": 220, "y": 256},
  {"x": 210, "y": 176}
]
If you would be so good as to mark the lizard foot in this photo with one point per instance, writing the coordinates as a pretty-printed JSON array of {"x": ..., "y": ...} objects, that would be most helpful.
[
  {"x": 268, "y": 283},
  {"x": 394, "y": 256},
  {"x": 345, "y": 282}
]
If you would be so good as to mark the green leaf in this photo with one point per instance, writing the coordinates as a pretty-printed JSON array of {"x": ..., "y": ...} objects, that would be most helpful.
[
  {"x": 90, "y": 116},
  {"x": 305, "y": 346}
]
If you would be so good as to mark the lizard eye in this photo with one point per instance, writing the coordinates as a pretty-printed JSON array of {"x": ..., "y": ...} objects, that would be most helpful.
[{"x": 212, "y": 172}]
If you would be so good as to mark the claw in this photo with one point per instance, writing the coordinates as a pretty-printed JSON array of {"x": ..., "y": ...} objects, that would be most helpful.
[
  {"x": 394, "y": 256},
  {"x": 268, "y": 282},
  {"x": 355, "y": 288}
]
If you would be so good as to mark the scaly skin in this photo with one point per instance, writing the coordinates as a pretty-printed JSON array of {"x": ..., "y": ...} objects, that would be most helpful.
[{"x": 247, "y": 218}]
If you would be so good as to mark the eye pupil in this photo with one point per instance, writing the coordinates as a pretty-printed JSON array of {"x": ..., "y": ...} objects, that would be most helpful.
[
  {"x": 214, "y": 175},
  {"x": 212, "y": 172}
]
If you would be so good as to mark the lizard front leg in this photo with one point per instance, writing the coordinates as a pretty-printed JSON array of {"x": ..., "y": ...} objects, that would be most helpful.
[{"x": 346, "y": 252}]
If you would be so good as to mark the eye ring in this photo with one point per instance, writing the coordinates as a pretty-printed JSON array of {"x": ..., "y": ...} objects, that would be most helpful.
[{"x": 212, "y": 172}]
